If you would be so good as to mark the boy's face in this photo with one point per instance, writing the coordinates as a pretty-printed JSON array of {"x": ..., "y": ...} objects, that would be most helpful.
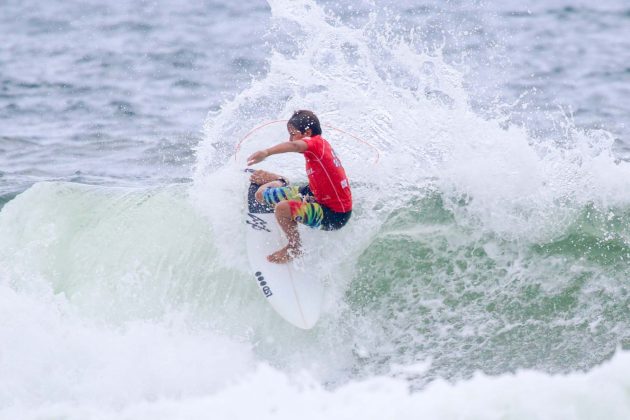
[{"x": 294, "y": 133}]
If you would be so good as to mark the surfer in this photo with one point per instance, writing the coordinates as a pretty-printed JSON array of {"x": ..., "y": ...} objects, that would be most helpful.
[{"x": 324, "y": 203}]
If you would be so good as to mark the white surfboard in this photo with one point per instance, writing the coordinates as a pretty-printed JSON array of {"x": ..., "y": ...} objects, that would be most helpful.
[{"x": 294, "y": 292}]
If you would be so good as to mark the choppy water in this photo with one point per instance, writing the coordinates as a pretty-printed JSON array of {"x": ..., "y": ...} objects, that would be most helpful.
[{"x": 491, "y": 237}]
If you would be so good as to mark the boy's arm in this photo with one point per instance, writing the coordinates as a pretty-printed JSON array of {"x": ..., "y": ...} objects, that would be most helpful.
[{"x": 298, "y": 146}]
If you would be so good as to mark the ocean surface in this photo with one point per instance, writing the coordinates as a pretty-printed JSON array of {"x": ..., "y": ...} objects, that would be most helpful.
[{"x": 484, "y": 274}]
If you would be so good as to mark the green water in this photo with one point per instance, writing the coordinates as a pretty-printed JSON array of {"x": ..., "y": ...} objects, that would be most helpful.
[
  {"x": 470, "y": 300},
  {"x": 427, "y": 285}
]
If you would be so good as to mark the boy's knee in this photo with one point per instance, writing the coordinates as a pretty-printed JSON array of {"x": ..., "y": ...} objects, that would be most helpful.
[
  {"x": 259, "y": 194},
  {"x": 283, "y": 209}
]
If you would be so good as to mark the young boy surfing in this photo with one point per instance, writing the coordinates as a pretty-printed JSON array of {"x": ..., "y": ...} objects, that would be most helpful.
[{"x": 325, "y": 203}]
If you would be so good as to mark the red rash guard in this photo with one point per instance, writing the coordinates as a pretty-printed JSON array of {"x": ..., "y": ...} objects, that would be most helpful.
[{"x": 326, "y": 177}]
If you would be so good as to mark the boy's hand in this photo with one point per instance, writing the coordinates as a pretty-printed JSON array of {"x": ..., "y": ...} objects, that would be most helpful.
[
  {"x": 257, "y": 157},
  {"x": 262, "y": 177},
  {"x": 259, "y": 177}
]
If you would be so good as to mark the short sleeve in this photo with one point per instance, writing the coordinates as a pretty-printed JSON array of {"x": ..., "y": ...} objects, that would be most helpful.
[{"x": 314, "y": 145}]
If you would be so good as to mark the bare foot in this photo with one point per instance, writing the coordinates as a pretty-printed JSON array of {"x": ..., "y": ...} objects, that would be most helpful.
[{"x": 284, "y": 255}]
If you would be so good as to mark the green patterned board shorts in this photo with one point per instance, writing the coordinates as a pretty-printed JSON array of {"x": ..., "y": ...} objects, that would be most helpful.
[{"x": 308, "y": 212}]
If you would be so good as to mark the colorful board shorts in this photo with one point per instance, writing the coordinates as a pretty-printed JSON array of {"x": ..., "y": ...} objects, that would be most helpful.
[{"x": 304, "y": 208}]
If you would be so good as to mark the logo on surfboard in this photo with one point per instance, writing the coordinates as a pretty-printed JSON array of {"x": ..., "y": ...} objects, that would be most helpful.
[
  {"x": 263, "y": 284},
  {"x": 256, "y": 222}
]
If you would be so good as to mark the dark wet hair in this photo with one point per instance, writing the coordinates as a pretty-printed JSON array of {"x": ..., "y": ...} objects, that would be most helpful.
[{"x": 303, "y": 120}]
